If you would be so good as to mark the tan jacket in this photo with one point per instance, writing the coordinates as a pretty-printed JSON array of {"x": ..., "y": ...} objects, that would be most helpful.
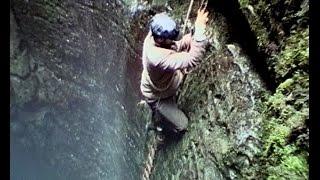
[{"x": 162, "y": 68}]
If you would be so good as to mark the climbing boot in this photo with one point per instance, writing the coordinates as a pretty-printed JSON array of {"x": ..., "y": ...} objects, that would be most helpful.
[
  {"x": 160, "y": 138},
  {"x": 152, "y": 127}
]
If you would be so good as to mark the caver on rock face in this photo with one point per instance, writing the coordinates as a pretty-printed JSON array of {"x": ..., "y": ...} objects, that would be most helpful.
[{"x": 164, "y": 63}]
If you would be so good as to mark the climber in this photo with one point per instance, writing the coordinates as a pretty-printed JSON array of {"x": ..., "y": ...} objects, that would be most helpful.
[{"x": 164, "y": 61}]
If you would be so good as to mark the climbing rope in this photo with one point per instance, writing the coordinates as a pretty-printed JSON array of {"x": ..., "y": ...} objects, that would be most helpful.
[
  {"x": 187, "y": 17},
  {"x": 150, "y": 158},
  {"x": 204, "y": 3}
]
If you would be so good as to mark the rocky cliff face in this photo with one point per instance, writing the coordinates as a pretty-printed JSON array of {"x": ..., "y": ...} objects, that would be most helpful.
[
  {"x": 72, "y": 108},
  {"x": 248, "y": 100},
  {"x": 75, "y": 71}
]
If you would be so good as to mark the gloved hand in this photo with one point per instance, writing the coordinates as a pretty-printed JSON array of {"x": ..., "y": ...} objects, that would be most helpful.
[{"x": 200, "y": 25}]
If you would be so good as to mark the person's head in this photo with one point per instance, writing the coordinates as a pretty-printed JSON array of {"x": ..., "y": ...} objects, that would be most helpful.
[{"x": 164, "y": 29}]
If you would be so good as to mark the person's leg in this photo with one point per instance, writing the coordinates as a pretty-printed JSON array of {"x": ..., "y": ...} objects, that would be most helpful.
[
  {"x": 156, "y": 117},
  {"x": 169, "y": 109}
]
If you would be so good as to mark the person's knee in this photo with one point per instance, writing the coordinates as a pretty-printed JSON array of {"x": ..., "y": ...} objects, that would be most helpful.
[{"x": 183, "y": 126}]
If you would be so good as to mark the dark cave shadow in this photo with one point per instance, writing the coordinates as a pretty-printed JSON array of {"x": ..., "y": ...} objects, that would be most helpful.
[
  {"x": 241, "y": 33},
  {"x": 170, "y": 137}
]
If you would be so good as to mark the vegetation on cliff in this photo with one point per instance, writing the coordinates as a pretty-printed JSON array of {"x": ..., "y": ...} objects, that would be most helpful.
[
  {"x": 285, "y": 128},
  {"x": 240, "y": 129}
]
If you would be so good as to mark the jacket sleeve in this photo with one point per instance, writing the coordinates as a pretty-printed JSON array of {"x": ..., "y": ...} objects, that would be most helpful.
[
  {"x": 184, "y": 43},
  {"x": 167, "y": 59}
]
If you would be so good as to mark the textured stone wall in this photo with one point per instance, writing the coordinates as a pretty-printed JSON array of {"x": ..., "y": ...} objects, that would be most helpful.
[
  {"x": 75, "y": 71},
  {"x": 247, "y": 119},
  {"x": 72, "y": 108}
]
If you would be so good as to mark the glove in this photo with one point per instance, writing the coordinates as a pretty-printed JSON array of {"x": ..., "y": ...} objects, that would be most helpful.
[{"x": 200, "y": 25}]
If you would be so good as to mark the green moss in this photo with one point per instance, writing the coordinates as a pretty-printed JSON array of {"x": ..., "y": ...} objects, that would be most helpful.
[
  {"x": 286, "y": 110},
  {"x": 294, "y": 55},
  {"x": 293, "y": 167},
  {"x": 179, "y": 12},
  {"x": 243, "y": 3},
  {"x": 296, "y": 164}
]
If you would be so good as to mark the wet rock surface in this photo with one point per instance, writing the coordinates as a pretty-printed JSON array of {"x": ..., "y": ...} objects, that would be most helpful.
[
  {"x": 222, "y": 139},
  {"x": 238, "y": 99},
  {"x": 75, "y": 74},
  {"x": 72, "y": 109}
]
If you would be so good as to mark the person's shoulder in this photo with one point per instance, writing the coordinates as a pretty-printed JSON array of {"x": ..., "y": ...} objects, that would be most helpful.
[{"x": 156, "y": 55}]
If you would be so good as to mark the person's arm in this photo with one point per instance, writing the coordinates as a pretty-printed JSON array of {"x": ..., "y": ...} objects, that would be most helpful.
[
  {"x": 199, "y": 34},
  {"x": 166, "y": 59},
  {"x": 184, "y": 43}
]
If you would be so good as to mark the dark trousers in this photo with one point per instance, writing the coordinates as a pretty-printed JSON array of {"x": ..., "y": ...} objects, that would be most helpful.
[{"x": 166, "y": 112}]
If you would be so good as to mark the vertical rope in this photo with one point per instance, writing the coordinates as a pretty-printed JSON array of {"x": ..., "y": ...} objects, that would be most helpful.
[
  {"x": 187, "y": 17},
  {"x": 203, "y": 5},
  {"x": 150, "y": 158}
]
